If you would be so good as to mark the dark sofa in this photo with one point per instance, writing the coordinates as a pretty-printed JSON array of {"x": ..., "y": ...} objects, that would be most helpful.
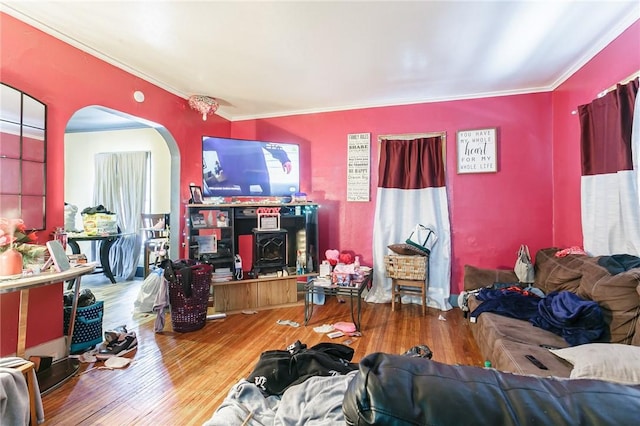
[
  {"x": 505, "y": 341},
  {"x": 396, "y": 390}
]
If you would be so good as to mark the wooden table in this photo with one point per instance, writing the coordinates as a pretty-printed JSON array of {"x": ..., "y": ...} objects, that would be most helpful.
[{"x": 64, "y": 368}]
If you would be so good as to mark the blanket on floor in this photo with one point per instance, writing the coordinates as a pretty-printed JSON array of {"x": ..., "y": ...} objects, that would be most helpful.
[{"x": 316, "y": 401}]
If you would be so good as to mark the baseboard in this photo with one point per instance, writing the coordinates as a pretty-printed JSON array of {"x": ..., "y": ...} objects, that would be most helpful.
[{"x": 453, "y": 300}]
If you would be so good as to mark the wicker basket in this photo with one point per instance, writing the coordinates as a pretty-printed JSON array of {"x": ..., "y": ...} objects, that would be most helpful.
[
  {"x": 406, "y": 267},
  {"x": 190, "y": 313}
]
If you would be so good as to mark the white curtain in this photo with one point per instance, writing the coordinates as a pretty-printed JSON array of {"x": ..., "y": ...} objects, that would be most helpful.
[
  {"x": 398, "y": 210},
  {"x": 610, "y": 199},
  {"x": 120, "y": 187}
]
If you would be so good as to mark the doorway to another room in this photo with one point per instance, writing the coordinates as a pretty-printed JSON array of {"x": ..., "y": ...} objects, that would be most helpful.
[{"x": 94, "y": 131}]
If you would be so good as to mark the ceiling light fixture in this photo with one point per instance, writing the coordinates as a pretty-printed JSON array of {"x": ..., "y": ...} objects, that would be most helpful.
[{"x": 205, "y": 105}]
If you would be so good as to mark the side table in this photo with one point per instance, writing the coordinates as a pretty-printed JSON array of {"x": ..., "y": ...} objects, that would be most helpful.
[
  {"x": 354, "y": 290},
  {"x": 106, "y": 241}
]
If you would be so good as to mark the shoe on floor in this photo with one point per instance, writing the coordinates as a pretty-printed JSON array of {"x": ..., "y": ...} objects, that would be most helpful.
[
  {"x": 420, "y": 351},
  {"x": 121, "y": 347},
  {"x": 116, "y": 334}
]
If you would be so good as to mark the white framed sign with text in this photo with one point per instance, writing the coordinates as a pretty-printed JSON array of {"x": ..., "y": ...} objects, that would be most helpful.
[
  {"x": 477, "y": 151},
  {"x": 358, "y": 166}
]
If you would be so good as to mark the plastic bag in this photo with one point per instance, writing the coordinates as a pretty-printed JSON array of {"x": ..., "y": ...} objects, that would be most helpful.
[
  {"x": 148, "y": 291},
  {"x": 422, "y": 238}
]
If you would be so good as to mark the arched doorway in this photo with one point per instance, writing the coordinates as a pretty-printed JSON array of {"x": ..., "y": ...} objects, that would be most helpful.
[{"x": 98, "y": 129}]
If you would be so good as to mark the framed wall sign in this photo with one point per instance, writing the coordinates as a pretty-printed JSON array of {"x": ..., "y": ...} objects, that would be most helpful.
[
  {"x": 358, "y": 169},
  {"x": 477, "y": 151}
]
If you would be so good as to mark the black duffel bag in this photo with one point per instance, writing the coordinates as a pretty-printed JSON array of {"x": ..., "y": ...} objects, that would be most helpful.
[{"x": 400, "y": 390}]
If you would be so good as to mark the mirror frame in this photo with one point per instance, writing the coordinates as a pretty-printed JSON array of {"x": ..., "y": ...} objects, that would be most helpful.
[{"x": 23, "y": 157}]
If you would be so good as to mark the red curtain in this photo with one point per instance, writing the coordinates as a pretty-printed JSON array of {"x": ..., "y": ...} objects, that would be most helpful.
[
  {"x": 605, "y": 126},
  {"x": 411, "y": 164}
]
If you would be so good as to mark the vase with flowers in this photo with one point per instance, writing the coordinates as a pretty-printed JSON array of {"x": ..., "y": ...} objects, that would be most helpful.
[{"x": 16, "y": 247}]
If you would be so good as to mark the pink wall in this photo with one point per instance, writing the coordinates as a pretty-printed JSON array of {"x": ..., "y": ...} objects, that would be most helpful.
[
  {"x": 613, "y": 64},
  {"x": 487, "y": 211},
  {"x": 491, "y": 214}
]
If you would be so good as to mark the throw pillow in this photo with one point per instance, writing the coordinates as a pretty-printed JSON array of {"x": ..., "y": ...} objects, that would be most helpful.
[
  {"x": 406, "y": 249},
  {"x": 612, "y": 362}
]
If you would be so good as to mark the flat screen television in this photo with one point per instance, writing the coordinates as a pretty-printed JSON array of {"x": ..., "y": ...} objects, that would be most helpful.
[{"x": 249, "y": 168}]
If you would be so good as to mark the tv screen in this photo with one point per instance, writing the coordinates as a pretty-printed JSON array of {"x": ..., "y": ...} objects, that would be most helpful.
[{"x": 239, "y": 167}]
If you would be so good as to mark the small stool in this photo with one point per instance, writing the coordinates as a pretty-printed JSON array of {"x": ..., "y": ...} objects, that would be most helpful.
[
  {"x": 412, "y": 287},
  {"x": 28, "y": 370}
]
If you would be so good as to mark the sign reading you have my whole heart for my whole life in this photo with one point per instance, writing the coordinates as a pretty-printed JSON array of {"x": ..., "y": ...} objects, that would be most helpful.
[{"x": 477, "y": 151}]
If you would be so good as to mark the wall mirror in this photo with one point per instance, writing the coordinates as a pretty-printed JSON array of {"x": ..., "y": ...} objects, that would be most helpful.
[{"x": 22, "y": 157}]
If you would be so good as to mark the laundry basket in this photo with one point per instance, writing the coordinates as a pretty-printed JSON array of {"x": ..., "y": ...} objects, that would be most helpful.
[{"x": 190, "y": 313}]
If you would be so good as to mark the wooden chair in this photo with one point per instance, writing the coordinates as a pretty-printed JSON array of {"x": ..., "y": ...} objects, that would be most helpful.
[
  {"x": 155, "y": 238},
  {"x": 27, "y": 369},
  {"x": 409, "y": 276}
]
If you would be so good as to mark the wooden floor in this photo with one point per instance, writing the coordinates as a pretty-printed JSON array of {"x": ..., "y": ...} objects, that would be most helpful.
[{"x": 181, "y": 378}]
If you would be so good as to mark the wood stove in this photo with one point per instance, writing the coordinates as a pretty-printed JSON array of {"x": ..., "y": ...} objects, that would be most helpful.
[{"x": 269, "y": 251}]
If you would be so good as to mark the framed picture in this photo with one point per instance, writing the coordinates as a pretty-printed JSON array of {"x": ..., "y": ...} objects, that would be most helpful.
[
  {"x": 198, "y": 221},
  {"x": 58, "y": 257},
  {"x": 196, "y": 194},
  {"x": 269, "y": 223},
  {"x": 477, "y": 151}
]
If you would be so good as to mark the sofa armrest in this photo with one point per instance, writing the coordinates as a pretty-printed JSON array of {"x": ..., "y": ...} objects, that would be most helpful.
[{"x": 475, "y": 277}]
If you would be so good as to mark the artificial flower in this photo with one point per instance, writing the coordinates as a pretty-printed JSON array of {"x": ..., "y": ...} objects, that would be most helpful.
[{"x": 14, "y": 235}]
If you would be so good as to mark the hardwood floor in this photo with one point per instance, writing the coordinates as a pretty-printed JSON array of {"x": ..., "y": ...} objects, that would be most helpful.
[
  {"x": 181, "y": 378},
  {"x": 118, "y": 300}
]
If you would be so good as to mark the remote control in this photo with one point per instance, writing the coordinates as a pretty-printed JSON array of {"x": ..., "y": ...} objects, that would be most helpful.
[
  {"x": 335, "y": 334},
  {"x": 536, "y": 362}
]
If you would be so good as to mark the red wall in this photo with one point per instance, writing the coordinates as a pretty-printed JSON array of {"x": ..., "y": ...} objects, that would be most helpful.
[
  {"x": 67, "y": 79},
  {"x": 491, "y": 214},
  {"x": 487, "y": 211},
  {"x": 613, "y": 64}
]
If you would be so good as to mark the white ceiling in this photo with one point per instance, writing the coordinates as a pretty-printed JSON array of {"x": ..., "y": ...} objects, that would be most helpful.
[{"x": 273, "y": 58}]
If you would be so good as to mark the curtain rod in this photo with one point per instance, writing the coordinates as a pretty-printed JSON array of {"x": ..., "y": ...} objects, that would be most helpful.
[
  {"x": 405, "y": 136},
  {"x": 623, "y": 81},
  {"x": 609, "y": 89}
]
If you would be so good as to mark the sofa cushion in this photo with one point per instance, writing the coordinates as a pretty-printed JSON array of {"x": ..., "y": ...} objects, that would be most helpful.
[
  {"x": 558, "y": 273},
  {"x": 617, "y": 295},
  {"x": 510, "y": 356},
  {"x": 605, "y": 361},
  {"x": 475, "y": 277},
  {"x": 505, "y": 341}
]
